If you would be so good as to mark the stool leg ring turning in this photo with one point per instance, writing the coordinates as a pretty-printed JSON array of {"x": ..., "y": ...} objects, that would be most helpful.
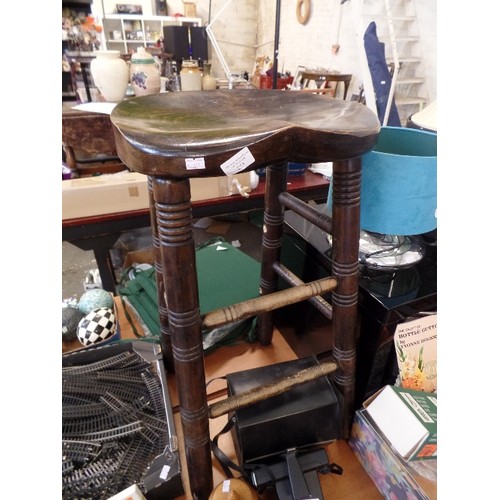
[
  {"x": 272, "y": 233},
  {"x": 177, "y": 249},
  {"x": 166, "y": 341},
  {"x": 345, "y": 267}
]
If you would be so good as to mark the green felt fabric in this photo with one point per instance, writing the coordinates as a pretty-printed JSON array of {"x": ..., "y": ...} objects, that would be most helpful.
[
  {"x": 226, "y": 276},
  {"x": 141, "y": 293}
]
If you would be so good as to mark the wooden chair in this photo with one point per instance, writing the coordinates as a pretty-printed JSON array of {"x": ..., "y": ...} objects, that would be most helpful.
[
  {"x": 174, "y": 136},
  {"x": 80, "y": 73},
  {"x": 79, "y": 63}
]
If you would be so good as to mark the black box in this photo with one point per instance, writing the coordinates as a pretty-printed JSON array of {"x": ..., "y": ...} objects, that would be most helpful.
[
  {"x": 305, "y": 415},
  {"x": 176, "y": 41}
]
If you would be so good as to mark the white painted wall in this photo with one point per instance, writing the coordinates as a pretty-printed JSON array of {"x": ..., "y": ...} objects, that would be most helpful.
[
  {"x": 245, "y": 30},
  {"x": 310, "y": 44},
  {"x": 427, "y": 25},
  {"x": 234, "y": 24},
  {"x": 332, "y": 23}
]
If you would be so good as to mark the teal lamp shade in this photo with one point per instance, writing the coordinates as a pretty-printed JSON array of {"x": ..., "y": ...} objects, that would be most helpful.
[{"x": 399, "y": 183}]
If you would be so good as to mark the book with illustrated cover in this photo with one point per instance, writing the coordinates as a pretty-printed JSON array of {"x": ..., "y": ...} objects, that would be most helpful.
[{"x": 416, "y": 351}]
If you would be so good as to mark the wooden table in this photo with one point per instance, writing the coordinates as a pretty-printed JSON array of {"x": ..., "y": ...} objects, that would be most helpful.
[
  {"x": 99, "y": 233},
  {"x": 323, "y": 80}
]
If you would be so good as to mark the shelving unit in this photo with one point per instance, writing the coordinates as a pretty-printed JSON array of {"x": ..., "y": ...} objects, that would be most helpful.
[{"x": 127, "y": 32}]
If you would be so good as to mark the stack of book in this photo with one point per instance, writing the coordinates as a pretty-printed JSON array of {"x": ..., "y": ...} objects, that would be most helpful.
[{"x": 394, "y": 435}]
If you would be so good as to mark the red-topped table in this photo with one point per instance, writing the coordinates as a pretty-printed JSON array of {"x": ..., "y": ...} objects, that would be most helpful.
[{"x": 100, "y": 232}]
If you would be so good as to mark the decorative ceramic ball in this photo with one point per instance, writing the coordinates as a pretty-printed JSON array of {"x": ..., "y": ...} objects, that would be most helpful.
[
  {"x": 71, "y": 316},
  {"x": 93, "y": 299},
  {"x": 97, "y": 326}
]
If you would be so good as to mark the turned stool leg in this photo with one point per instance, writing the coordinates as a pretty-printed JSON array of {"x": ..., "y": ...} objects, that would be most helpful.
[
  {"x": 345, "y": 248},
  {"x": 272, "y": 233},
  {"x": 166, "y": 342},
  {"x": 178, "y": 261}
]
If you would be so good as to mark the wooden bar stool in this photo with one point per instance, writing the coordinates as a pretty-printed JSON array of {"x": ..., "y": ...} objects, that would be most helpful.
[{"x": 174, "y": 136}]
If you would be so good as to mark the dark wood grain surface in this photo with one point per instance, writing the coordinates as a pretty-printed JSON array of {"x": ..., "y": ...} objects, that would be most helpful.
[{"x": 275, "y": 125}]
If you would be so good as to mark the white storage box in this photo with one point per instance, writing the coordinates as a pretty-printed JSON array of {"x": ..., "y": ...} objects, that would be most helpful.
[{"x": 126, "y": 191}]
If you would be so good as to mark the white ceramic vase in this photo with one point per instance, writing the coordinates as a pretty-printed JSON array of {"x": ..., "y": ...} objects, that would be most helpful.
[
  {"x": 144, "y": 73},
  {"x": 110, "y": 74}
]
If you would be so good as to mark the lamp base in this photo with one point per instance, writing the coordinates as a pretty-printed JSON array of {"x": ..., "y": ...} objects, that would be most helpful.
[{"x": 389, "y": 252}]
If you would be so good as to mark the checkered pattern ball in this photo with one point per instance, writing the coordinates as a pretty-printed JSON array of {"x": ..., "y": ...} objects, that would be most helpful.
[{"x": 97, "y": 326}]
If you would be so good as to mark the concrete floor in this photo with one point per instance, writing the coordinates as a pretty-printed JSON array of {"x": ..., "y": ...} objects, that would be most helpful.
[{"x": 75, "y": 265}]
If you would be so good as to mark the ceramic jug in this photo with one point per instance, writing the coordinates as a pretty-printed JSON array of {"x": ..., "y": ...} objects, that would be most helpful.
[
  {"x": 110, "y": 74},
  {"x": 208, "y": 82},
  {"x": 144, "y": 73},
  {"x": 190, "y": 75}
]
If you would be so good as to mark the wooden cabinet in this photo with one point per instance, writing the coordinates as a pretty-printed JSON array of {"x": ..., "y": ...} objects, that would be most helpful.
[{"x": 127, "y": 32}]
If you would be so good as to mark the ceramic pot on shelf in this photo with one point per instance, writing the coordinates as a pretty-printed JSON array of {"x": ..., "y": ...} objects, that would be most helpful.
[
  {"x": 110, "y": 74},
  {"x": 208, "y": 82},
  {"x": 144, "y": 73}
]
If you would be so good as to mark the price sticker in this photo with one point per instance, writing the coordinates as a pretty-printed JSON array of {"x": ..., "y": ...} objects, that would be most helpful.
[
  {"x": 241, "y": 160},
  {"x": 195, "y": 163}
]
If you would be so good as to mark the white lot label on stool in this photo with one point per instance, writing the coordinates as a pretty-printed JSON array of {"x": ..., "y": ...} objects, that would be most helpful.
[
  {"x": 241, "y": 160},
  {"x": 195, "y": 163}
]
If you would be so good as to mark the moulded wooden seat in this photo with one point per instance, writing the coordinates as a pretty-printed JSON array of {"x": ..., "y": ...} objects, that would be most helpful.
[{"x": 174, "y": 136}]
